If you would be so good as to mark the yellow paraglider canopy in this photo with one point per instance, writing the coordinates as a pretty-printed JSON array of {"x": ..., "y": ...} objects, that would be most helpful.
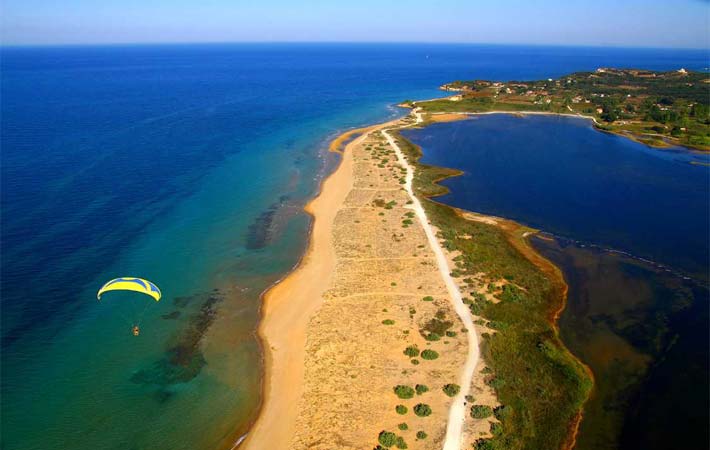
[{"x": 131, "y": 284}]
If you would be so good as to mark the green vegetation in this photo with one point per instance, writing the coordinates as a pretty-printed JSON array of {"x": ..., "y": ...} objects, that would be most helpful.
[
  {"x": 415, "y": 361},
  {"x": 429, "y": 354},
  {"x": 388, "y": 322},
  {"x": 428, "y": 298},
  {"x": 403, "y": 426},
  {"x": 484, "y": 444},
  {"x": 400, "y": 442},
  {"x": 533, "y": 370},
  {"x": 422, "y": 410},
  {"x": 451, "y": 389},
  {"x": 657, "y": 108},
  {"x": 403, "y": 391},
  {"x": 421, "y": 435},
  {"x": 481, "y": 411},
  {"x": 432, "y": 337},
  {"x": 401, "y": 409},
  {"x": 387, "y": 438},
  {"x": 436, "y": 327},
  {"x": 412, "y": 351},
  {"x": 421, "y": 388}
]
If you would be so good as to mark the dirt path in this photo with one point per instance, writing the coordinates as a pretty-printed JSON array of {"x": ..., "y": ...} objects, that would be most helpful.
[{"x": 457, "y": 412}]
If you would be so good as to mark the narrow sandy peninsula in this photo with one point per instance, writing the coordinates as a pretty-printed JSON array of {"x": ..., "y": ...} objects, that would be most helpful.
[{"x": 363, "y": 343}]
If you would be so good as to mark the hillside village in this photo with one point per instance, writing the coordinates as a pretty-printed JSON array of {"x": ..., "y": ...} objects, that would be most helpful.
[{"x": 657, "y": 108}]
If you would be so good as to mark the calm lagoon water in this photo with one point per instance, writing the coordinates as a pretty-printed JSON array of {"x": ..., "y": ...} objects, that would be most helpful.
[
  {"x": 632, "y": 226},
  {"x": 187, "y": 165}
]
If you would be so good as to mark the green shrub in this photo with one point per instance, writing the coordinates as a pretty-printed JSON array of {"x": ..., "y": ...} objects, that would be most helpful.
[
  {"x": 422, "y": 410},
  {"x": 439, "y": 324},
  {"x": 403, "y": 426},
  {"x": 429, "y": 354},
  {"x": 428, "y": 298},
  {"x": 415, "y": 361},
  {"x": 501, "y": 412},
  {"x": 481, "y": 411},
  {"x": 496, "y": 429},
  {"x": 421, "y": 435},
  {"x": 387, "y": 438},
  {"x": 484, "y": 444},
  {"x": 432, "y": 337},
  {"x": 403, "y": 391},
  {"x": 400, "y": 442},
  {"x": 451, "y": 389},
  {"x": 450, "y": 333},
  {"x": 412, "y": 351},
  {"x": 421, "y": 388},
  {"x": 401, "y": 409},
  {"x": 388, "y": 322}
]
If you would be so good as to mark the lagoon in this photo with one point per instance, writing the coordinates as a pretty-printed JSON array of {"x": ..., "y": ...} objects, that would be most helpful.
[{"x": 628, "y": 227}]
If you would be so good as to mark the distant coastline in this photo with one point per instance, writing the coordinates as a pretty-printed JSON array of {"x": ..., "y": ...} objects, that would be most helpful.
[{"x": 658, "y": 109}]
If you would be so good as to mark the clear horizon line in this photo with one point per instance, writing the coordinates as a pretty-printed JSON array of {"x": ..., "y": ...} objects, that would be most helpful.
[{"x": 335, "y": 42}]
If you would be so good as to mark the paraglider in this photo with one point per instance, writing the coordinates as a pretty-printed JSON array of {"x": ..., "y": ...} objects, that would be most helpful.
[{"x": 139, "y": 285}]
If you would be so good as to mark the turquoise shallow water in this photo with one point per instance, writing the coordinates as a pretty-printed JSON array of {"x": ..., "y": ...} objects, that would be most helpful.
[{"x": 186, "y": 165}]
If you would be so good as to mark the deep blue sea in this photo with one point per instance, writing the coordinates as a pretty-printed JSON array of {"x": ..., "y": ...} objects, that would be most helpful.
[{"x": 187, "y": 165}]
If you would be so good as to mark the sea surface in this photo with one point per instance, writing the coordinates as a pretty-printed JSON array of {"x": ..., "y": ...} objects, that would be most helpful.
[
  {"x": 187, "y": 165},
  {"x": 629, "y": 226}
]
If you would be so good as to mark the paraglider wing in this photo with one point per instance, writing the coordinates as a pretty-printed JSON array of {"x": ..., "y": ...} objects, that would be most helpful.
[{"x": 131, "y": 284}]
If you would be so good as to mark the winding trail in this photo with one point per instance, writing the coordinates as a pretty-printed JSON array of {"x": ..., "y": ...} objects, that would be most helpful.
[{"x": 457, "y": 412}]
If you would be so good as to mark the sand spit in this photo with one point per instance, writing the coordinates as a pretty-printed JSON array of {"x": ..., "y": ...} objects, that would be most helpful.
[{"x": 336, "y": 329}]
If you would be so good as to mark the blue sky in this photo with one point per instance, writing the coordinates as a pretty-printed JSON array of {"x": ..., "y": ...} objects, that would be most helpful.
[{"x": 649, "y": 23}]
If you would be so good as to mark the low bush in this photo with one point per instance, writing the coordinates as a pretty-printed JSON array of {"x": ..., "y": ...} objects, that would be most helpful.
[
  {"x": 412, "y": 351},
  {"x": 429, "y": 354},
  {"x": 481, "y": 411},
  {"x": 484, "y": 444},
  {"x": 421, "y": 435},
  {"x": 403, "y": 391},
  {"x": 387, "y": 438},
  {"x": 401, "y": 409},
  {"x": 496, "y": 429},
  {"x": 388, "y": 322},
  {"x": 422, "y": 410},
  {"x": 403, "y": 426},
  {"x": 451, "y": 389},
  {"x": 421, "y": 388},
  {"x": 501, "y": 412},
  {"x": 428, "y": 298}
]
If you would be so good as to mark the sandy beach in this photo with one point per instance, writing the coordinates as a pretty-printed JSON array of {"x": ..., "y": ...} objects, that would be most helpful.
[{"x": 286, "y": 310}]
